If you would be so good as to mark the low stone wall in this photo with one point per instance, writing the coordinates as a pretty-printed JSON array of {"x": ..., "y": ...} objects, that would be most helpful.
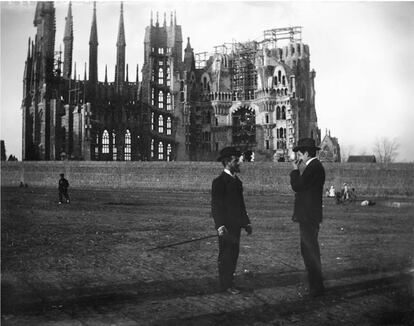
[{"x": 368, "y": 179}]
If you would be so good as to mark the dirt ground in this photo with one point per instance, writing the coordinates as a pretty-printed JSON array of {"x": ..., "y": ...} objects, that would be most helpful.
[{"x": 90, "y": 262}]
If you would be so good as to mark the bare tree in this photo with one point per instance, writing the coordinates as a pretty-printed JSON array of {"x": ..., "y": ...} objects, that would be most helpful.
[{"x": 386, "y": 150}]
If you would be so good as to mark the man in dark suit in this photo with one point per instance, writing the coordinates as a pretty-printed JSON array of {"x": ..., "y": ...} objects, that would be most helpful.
[
  {"x": 63, "y": 189},
  {"x": 308, "y": 188},
  {"x": 229, "y": 212}
]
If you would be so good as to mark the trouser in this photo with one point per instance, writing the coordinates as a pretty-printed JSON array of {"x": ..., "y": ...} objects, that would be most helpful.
[
  {"x": 309, "y": 248},
  {"x": 63, "y": 193},
  {"x": 229, "y": 245}
]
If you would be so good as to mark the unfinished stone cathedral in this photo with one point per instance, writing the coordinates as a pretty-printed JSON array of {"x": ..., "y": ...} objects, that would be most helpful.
[{"x": 258, "y": 96}]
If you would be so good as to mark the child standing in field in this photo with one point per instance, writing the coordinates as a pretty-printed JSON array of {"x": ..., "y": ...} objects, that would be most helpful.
[{"x": 63, "y": 189}]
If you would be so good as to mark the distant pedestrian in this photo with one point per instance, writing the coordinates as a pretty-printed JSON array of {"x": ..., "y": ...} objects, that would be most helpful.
[
  {"x": 63, "y": 189},
  {"x": 345, "y": 192},
  {"x": 229, "y": 212},
  {"x": 308, "y": 188},
  {"x": 332, "y": 192}
]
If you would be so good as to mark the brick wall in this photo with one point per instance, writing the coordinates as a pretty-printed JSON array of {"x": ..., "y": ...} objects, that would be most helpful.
[{"x": 368, "y": 179}]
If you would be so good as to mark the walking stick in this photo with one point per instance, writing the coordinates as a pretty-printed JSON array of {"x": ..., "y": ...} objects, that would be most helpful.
[{"x": 182, "y": 242}]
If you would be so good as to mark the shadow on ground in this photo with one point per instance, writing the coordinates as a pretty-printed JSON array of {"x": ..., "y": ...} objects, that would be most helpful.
[{"x": 110, "y": 296}]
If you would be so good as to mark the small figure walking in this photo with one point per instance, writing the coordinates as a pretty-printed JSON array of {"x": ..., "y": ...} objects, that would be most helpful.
[{"x": 63, "y": 189}]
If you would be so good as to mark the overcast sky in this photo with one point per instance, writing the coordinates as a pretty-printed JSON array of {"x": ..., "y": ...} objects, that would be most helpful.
[{"x": 362, "y": 53}]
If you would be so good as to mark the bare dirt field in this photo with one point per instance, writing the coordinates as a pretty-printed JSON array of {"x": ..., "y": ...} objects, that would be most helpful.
[{"x": 90, "y": 263}]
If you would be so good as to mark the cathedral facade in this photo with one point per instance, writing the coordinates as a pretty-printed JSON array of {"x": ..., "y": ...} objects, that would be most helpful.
[{"x": 258, "y": 96}]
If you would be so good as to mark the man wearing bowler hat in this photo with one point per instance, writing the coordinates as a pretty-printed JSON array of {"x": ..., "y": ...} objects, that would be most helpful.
[
  {"x": 308, "y": 188},
  {"x": 229, "y": 212}
]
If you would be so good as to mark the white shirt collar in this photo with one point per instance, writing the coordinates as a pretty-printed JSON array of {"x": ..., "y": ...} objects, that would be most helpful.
[
  {"x": 229, "y": 173},
  {"x": 310, "y": 160}
]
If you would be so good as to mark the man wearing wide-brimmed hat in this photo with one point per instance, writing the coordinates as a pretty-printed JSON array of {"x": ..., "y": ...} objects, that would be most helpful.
[
  {"x": 308, "y": 188},
  {"x": 229, "y": 212}
]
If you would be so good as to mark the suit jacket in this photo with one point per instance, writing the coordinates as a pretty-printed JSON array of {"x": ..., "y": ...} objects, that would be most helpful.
[
  {"x": 227, "y": 202},
  {"x": 308, "y": 188},
  {"x": 63, "y": 184}
]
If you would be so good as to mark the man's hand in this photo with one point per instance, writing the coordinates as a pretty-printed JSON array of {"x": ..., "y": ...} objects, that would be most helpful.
[
  {"x": 296, "y": 164},
  {"x": 249, "y": 229},
  {"x": 221, "y": 230}
]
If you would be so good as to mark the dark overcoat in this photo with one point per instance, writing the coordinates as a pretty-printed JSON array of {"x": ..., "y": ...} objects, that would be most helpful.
[
  {"x": 63, "y": 184},
  {"x": 308, "y": 188},
  {"x": 227, "y": 202}
]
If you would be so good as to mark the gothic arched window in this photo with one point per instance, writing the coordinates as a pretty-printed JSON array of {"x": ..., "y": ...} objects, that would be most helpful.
[
  {"x": 152, "y": 121},
  {"x": 160, "y": 76},
  {"x": 278, "y": 113},
  {"x": 168, "y": 77},
  {"x": 168, "y": 102},
  {"x": 105, "y": 142},
  {"x": 160, "y": 100},
  {"x": 169, "y": 158},
  {"x": 127, "y": 145},
  {"x": 283, "y": 113},
  {"x": 152, "y": 147},
  {"x": 160, "y": 124},
  {"x": 168, "y": 126},
  {"x": 160, "y": 151}
]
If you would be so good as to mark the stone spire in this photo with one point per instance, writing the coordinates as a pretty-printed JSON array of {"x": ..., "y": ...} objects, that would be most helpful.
[
  {"x": 189, "y": 62},
  {"x": 68, "y": 44},
  {"x": 120, "y": 52},
  {"x": 93, "y": 50},
  {"x": 121, "y": 29}
]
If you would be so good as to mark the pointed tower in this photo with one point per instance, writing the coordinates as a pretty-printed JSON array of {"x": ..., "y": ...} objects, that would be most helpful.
[
  {"x": 27, "y": 73},
  {"x": 176, "y": 42},
  {"x": 93, "y": 54},
  {"x": 68, "y": 44},
  {"x": 27, "y": 125},
  {"x": 120, "y": 52},
  {"x": 45, "y": 22},
  {"x": 189, "y": 62}
]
